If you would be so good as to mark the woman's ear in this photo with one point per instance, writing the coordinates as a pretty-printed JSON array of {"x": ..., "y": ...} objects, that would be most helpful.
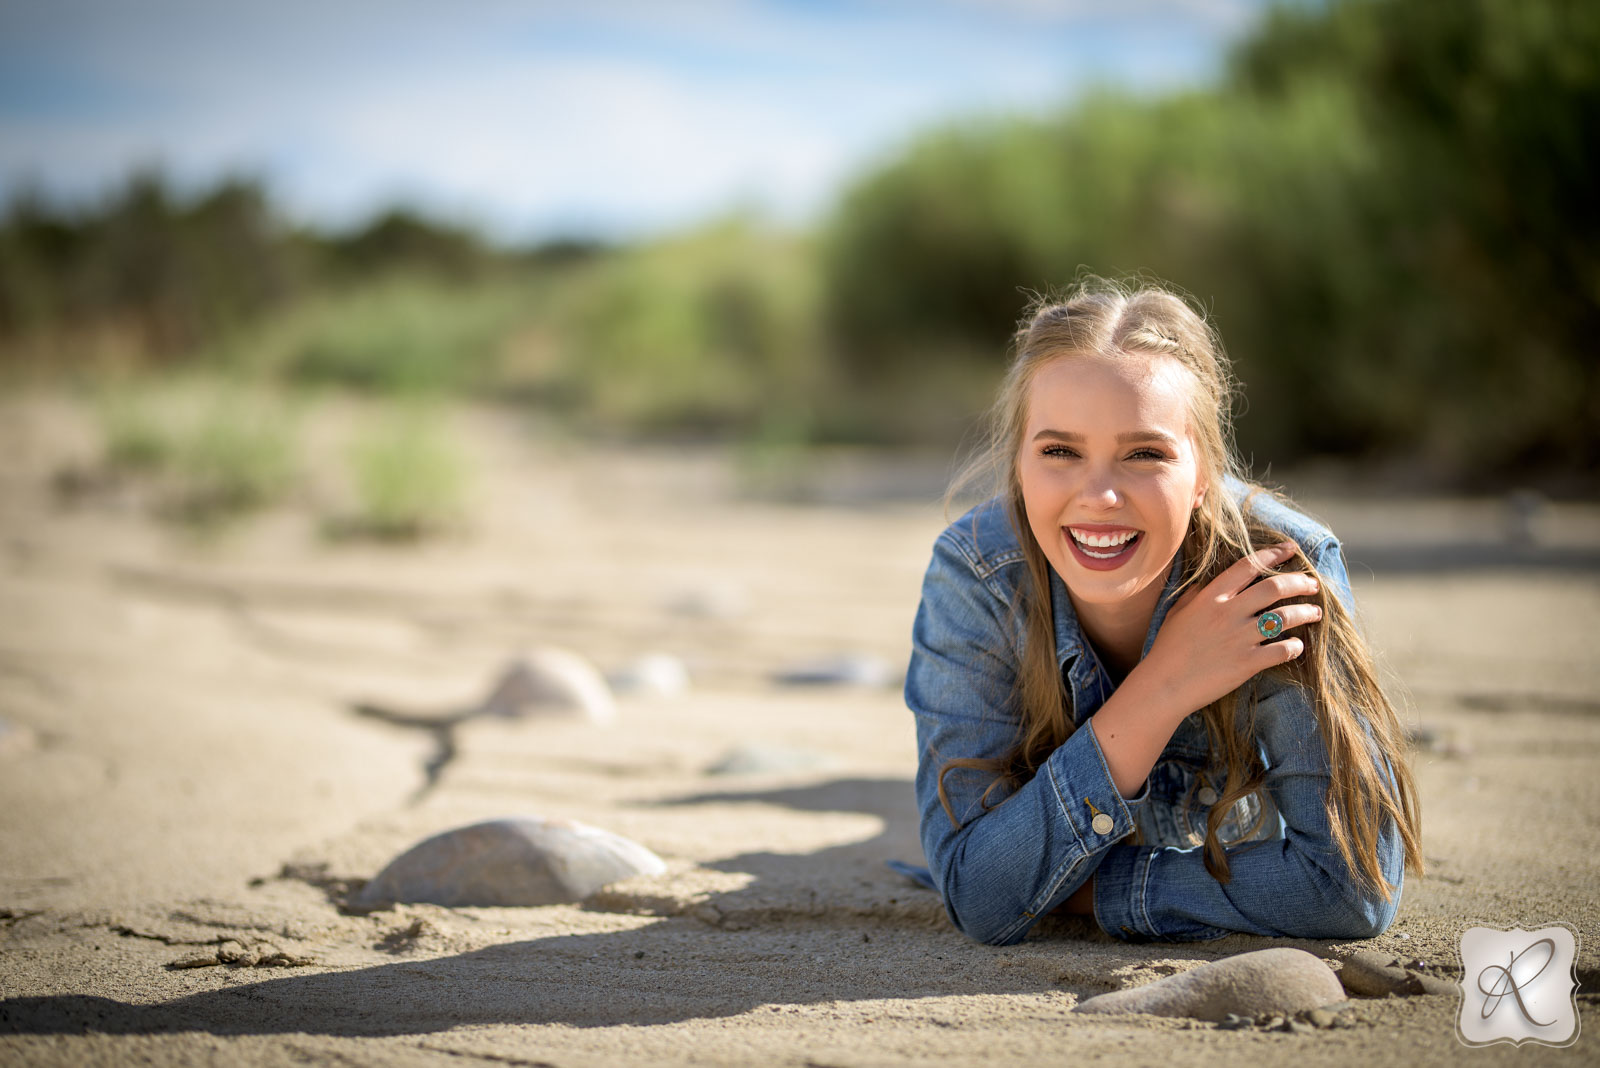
[{"x": 1199, "y": 498}]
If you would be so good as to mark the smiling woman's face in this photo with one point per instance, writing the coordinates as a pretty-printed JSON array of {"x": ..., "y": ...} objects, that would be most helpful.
[{"x": 1109, "y": 473}]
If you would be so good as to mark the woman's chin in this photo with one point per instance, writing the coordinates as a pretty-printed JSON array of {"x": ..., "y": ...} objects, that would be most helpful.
[{"x": 1108, "y": 588}]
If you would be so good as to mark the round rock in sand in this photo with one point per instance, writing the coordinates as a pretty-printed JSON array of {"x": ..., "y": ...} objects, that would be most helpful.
[
  {"x": 551, "y": 680},
  {"x": 1280, "y": 981},
  {"x": 514, "y": 861}
]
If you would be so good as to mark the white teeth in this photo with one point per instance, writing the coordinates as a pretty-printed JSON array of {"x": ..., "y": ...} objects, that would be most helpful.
[{"x": 1101, "y": 541}]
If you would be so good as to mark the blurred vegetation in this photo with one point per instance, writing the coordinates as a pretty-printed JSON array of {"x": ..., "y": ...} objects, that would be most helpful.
[
  {"x": 1385, "y": 203},
  {"x": 202, "y": 452},
  {"x": 714, "y": 331},
  {"x": 408, "y": 481}
]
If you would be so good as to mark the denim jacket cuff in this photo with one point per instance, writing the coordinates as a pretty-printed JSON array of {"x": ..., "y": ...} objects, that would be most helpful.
[
  {"x": 1119, "y": 894},
  {"x": 1090, "y": 801}
]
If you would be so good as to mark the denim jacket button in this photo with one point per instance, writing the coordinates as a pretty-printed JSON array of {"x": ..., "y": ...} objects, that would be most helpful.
[
  {"x": 1207, "y": 795},
  {"x": 1102, "y": 824}
]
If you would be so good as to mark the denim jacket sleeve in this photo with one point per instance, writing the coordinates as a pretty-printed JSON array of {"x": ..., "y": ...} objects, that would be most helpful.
[
  {"x": 998, "y": 867},
  {"x": 1294, "y": 885}
]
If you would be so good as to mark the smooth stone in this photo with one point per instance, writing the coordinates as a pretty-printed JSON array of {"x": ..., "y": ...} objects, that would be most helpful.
[
  {"x": 849, "y": 669},
  {"x": 653, "y": 674},
  {"x": 513, "y": 861},
  {"x": 1282, "y": 980},
  {"x": 756, "y": 759},
  {"x": 551, "y": 679},
  {"x": 1375, "y": 975}
]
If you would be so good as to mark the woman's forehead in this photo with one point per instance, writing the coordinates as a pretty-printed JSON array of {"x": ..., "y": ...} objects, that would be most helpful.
[{"x": 1096, "y": 391}]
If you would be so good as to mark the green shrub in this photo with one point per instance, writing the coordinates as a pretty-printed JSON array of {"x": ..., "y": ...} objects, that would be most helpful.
[
  {"x": 207, "y": 451},
  {"x": 396, "y": 335},
  {"x": 714, "y": 331},
  {"x": 237, "y": 457},
  {"x": 408, "y": 480},
  {"x": 137, "y": 434}
]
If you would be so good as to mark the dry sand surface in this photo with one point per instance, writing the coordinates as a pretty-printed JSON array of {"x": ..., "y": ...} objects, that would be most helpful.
[{"x": 183, "y": 766}]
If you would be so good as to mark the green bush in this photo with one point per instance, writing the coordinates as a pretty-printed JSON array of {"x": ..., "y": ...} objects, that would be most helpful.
[
  {"x": 1387, "y": 206},
  {"x": 408, "y": 480},
  {"x": 399, "y": 334},
  {"x": 208, "y": 450},
  {"x": 239, "y": 456},
  {"x": 714, "y": 331}
]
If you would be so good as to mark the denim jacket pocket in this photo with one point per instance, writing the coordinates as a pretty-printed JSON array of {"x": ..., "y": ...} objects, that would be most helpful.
[{"x": 1179, "y": 808}]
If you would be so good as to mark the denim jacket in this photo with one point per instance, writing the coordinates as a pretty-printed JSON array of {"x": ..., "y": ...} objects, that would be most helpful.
[{"x": 999, "y": 868}]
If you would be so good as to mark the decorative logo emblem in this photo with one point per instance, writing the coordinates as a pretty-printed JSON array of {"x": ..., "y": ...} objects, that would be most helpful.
[{"x": 1518, "y": 986}]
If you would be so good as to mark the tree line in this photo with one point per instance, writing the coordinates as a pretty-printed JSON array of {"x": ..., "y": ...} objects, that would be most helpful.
[{"x": 1385, "y": 205}]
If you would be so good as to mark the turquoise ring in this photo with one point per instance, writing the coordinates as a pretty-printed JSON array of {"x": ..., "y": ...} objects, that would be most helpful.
[{"x": 1270, "y": 624}]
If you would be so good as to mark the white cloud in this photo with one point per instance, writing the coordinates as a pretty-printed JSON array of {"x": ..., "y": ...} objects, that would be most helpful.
[{"x": 524, "y": 115}]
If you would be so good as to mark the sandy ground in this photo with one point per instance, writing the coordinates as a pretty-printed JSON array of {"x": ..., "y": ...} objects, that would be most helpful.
[{"x": 184, "y": 765}]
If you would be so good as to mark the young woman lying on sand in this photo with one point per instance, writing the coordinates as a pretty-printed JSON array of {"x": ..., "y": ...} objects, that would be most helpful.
[{"x": 1139, "y": 691}]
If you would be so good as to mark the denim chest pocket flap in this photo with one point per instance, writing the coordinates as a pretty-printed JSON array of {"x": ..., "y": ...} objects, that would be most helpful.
[{"x": 1182, "y": 793}]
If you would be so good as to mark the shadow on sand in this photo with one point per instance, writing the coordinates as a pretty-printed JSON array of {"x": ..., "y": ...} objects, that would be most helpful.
[{"x": 671, "y": 970}]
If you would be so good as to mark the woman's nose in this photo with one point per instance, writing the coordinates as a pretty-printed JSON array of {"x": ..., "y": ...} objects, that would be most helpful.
[{"x": 1100, "y": 492}]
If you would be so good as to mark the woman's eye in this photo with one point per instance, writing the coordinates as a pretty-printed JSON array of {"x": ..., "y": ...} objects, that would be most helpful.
[
  {"x": 1146, "y": 454},
  {"x": 1057, "y": 450}
]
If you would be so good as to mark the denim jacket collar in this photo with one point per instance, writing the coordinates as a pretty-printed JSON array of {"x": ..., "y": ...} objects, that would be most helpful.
[{"x": 1078, "y": 661}]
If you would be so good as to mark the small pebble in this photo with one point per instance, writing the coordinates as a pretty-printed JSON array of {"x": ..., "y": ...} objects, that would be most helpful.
[
  {"x": 652, "y": 675},
  {"x": 849, "y": 669},
  {"x": 714, "y": 601}
]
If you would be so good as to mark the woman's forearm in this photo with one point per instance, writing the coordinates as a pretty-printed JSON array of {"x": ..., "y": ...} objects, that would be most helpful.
[{"x": 1134, "y": 726}]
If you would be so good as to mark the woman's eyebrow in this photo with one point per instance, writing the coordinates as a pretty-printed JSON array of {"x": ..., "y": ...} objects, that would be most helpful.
[{"x": 1072, "y": 437}]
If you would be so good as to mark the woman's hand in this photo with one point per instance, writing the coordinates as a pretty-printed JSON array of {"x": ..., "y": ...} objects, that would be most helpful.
[{"x": 1209, "y": 645}]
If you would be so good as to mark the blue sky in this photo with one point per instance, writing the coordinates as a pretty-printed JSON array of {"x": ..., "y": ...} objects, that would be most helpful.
[{"x": 532, "y": 119}]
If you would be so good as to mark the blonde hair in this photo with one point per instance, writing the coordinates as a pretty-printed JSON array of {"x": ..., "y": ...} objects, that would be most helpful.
[{"x": 1357, "y": 722}]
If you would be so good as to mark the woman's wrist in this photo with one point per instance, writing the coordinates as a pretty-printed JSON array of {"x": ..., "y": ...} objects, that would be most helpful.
[
  {"x": 1158, "y": 694},
  {"x": 1133, "y": 728}
]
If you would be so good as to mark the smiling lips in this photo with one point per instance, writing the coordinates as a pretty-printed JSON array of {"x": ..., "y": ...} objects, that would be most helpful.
[{"x": 1100, "y": 547}]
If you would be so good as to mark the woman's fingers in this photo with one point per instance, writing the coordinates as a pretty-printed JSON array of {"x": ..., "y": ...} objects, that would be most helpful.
[
  {"x": 1274, "y": 588},
  {"x": 1251, "y": 567},
  {"x": 1284, "y": 651},
  {"x": 1288, "y": 616}
]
